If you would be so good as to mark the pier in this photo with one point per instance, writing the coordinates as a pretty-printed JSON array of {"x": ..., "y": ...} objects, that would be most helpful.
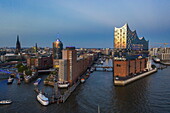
[{"x": 127, "y": 81}]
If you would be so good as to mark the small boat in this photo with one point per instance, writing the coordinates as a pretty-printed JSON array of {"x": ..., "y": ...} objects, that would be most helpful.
[
  {"x": 4, "y": 102},
  {"x": 156, "y": 60},
  {"x": 10, "y": 80},
  {"x": 91, "y": 70},
  {"x": 63, "y": 84},
  {"x": 37, "y": 81},
  {"x": 87, "y": 75},
  {"x": 42, "y": 99},
  {"x": 102, "y": 62},
  {"x": 82, "y": 80},
  {"x": 19, "y": 82}
]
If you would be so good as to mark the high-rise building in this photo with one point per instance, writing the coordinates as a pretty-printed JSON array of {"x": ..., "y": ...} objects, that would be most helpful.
[
  {"x": 57, "y": 52},
  {"x": 18, "y": 45},
  {"x": 70, "y": 54},
  {"x": 72, "y": 66},
  {"x": 130, "y": 52}
]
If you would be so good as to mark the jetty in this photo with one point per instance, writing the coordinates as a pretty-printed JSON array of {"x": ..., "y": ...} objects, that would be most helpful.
[{"x": 122, "y": 82}]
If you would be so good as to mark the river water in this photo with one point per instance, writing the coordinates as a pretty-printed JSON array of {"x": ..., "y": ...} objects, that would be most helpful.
[{"x": 147, "y": 95}]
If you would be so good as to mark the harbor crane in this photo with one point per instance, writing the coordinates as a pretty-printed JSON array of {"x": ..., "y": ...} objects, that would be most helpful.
[{"x": 163, "y": 44}]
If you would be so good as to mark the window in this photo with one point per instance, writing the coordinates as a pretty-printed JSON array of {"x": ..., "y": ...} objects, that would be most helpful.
[{"x": 118, "y": 65}]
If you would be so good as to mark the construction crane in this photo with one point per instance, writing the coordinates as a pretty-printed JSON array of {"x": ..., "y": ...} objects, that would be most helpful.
[{"x": 163, "y": 44}]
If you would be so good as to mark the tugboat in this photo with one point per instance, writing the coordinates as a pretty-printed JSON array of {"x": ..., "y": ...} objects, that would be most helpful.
[
  {"x": 4, "y": 102},
  {"x": 10, "y": 80},
  {"x": 37, "y": 81},
  {"x": 42, "y": 99}
]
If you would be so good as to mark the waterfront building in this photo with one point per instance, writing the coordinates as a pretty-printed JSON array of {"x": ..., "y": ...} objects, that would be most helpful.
[
  {"x": 40, "y": 61},
  {"x": 62, "y": 76},
  {"x": 57, "y": 52},
  {"x": 18, "y": 45},
  {"x": 153, "y": 51},
  {"x": 74, "y": 65},
  {"x": 130, "y": 52},
  {"x": 164, "y": 54}
]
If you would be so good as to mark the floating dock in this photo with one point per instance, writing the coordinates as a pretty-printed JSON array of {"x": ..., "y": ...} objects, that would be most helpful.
[{"x": 124, "y": 82}]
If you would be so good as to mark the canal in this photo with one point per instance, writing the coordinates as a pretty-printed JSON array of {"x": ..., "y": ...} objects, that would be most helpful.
[{"x": 147, "y": 95}]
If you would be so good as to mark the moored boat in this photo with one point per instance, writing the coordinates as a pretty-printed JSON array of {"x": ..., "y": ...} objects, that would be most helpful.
[
  {"x": 157, "y": 60},
  {"x": 4, "y": 102},
  {"x": 82, "y": 80},
  {"x": 63, "y": 84},
  {"x": 10, "y": 80},
  {"x": 37, "y": 81},
  {"x": 42, "y": 99},
  {"x": 19, "y": 82}
]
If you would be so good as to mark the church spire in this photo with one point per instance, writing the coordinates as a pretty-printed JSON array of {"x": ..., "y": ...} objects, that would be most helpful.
[{"x": 18, "y": 46}]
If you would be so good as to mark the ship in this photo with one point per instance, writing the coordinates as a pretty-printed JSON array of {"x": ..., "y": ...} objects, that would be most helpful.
[
  {"x": 10, "y": 80},
  {"x": 4, "y": 102},
  {"x": 63, "y": 84},
  {"x": 42, "y": 99},
  {"x": 37, "y": 81}
]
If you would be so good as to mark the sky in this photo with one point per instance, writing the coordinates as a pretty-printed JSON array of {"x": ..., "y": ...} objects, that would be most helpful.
[{"x": 81, "y": 23}]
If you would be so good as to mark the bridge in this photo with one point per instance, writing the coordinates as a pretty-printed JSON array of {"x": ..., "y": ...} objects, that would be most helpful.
[
  {"x": 105, "y": 68},
  {"x": 46, "y": 71},
  {"x": 4, "y": 72}
]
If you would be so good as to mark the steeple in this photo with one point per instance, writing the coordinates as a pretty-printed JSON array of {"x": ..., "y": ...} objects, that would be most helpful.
[{"x": 18, "y": 46}]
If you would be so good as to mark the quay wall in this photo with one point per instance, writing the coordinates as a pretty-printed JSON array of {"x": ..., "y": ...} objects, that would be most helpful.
[{"x": 124, "y": 82}]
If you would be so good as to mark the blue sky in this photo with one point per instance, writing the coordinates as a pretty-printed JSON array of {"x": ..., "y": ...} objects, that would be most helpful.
[{"x": 81, "y": 23}]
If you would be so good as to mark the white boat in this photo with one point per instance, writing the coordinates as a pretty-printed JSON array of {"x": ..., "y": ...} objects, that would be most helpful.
[
  {"x": 10, "y": 80},
  {"x": 37, "y": 81},
  {"x": 42, "y": 99},
  {"x": 63, "y": 84},
  {"x": 156, "y": 60},
  {"x": 5, "y": 102}
]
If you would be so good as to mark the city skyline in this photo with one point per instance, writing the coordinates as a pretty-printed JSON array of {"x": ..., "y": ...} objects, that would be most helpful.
[{"x": 81, "y": 24}]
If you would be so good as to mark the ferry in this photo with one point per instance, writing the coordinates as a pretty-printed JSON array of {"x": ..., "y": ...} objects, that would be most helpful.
[
  {"x": 37, "y": 81},
  {"x": 4, "y": 102},
  {"x": 82, "y": 80},
  {"x": 42, "y": 99},
  {"x": 10, "y": 80},
  {"x": 63, "y": 84}
]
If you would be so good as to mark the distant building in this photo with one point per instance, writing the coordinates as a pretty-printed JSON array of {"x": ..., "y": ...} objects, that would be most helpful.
[
  {"x": 10, "y": 57},
  {"x": 153, "y": 51},
  {"x": 18, "y": 45},
  {"x": 57, "y": 52},
  {"x": 130, "y": 52},
  {"x": 164, "y": 54},
  {"x": 40, "y": 62}
]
